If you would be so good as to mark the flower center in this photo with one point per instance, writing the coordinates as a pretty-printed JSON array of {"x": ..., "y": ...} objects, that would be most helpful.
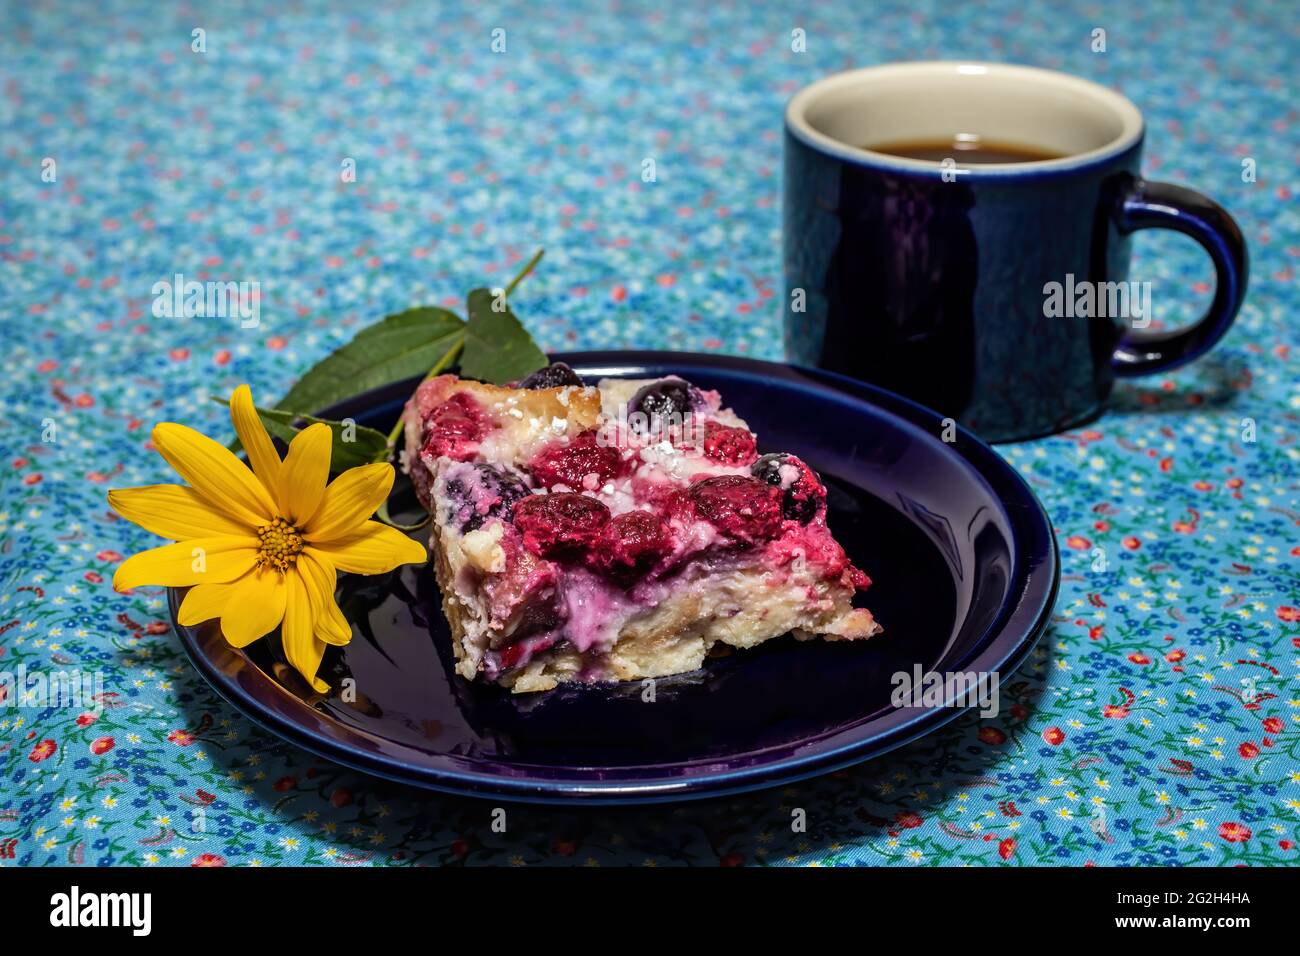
[{"x": 281, "y": 543}]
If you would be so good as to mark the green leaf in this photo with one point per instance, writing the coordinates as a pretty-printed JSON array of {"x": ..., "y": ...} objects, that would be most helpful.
[
  {"x": 400, "y": 346},
  {"x": 275, "y": 427},
  {"x": 353, "y": 444},
  {"x": 498, "y": 349}
]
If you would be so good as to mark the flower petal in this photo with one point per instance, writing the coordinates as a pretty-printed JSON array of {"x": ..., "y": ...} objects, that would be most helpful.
[
  {"x": 349, "y": 500},
  {"x": 214, "y": 473},
  {"x": 173, "y": 511},
  {"x": 298, "y": 633},
  {"x": 202, "y": 603},
  {"x": 331, "y": 626},
  {"x": 257, "y": 443},
  {"x": 306, "y": 468},
  {"x": 256, "y": 607},
  {"x": 308, "y": 661},
  {"x": 197, "y": 561},
  {"x": 374, "y": 549}
]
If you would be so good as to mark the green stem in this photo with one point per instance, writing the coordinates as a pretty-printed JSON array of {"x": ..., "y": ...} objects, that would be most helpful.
[
  {"x": 383, "y": 515},
  {"x": 448, "y": 357},
  {"x": 528, "y": 267}
]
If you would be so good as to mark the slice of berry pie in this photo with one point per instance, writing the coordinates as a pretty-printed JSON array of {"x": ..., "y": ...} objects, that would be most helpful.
[{"x": 616, "y": 532}]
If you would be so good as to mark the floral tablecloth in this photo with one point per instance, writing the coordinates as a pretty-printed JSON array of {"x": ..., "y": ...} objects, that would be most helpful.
[{"x": 1157, "y": 723}]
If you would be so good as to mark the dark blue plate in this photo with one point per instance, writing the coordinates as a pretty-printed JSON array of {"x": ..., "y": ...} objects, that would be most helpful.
[{"x": 965, "y": 570}]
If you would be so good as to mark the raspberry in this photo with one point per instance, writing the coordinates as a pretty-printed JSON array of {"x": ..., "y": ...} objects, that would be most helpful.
[
  {"x": 560, "y": 525},
  {"x": 665, "y": 499},
  {"x": 730, "y": 446},
  {"x": 455, "y": 428},
  {"x": 815, "y": 547},
  {"x": 631, "y": 544},
  {"x": 743, "y": 508},
  {"x": 573, "y": 463}
]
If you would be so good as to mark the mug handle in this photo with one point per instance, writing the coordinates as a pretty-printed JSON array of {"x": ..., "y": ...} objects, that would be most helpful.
[{"x": 1147, "y": 205}]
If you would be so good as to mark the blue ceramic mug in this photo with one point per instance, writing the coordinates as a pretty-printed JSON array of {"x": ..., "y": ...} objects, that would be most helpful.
[{"x": 995, "y": 293}]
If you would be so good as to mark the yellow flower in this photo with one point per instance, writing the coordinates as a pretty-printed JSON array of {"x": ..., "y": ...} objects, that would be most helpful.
[{"x": 260, "y": 548}]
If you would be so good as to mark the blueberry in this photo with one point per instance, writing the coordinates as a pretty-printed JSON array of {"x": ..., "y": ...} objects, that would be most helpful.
[
  {"x": 802, "y": 495},
  {"x": 480, "y": 491},
  {"x": 555, "y": 375},
  {"x": 668, "y": 397},
  {"x": 768, "y": 467}
]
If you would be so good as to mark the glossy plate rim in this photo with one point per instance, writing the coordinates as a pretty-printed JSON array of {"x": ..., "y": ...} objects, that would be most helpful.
[{"x": 1023, "y": 617}]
